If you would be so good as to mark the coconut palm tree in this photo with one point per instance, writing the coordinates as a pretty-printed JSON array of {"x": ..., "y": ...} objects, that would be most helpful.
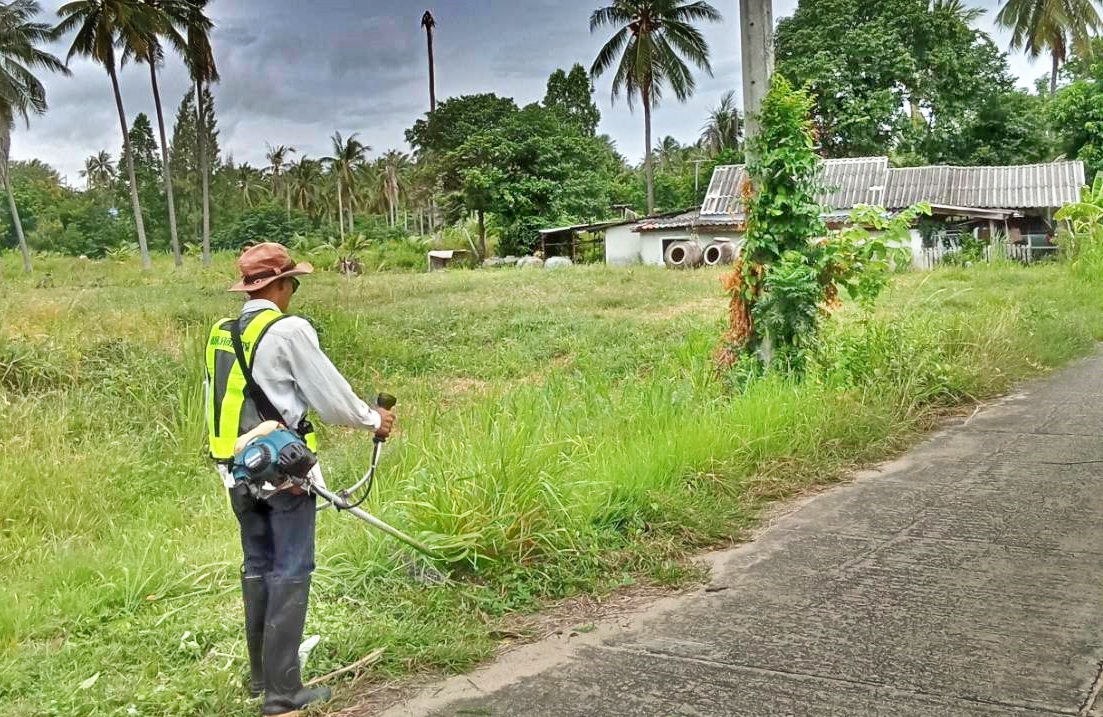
[
  {"x": 21, "y": 93},
  {"x": 429, "y": 23},
  {"x": 1051, "y": 26},
  {"x": 199, "y": 59},
  {"x": 724, "y": 128},
  {"x": 304, "y": 179},
  {"x": 669, "y": 153},
  {"x": 278, "y": 162},
  {"x": 348, "y": 154},
  {"x": 249, "y": 182},
  {"x": 99, "y": 170},
  {"x": 392, "y": 170},
  {"x": 168, "y": 14},
  {"x": 649, "y": 53},
  {"x": 101, "y": 27}
]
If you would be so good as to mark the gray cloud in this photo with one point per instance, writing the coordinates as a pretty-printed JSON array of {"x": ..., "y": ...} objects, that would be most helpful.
[{"x": 293, "y": 72}]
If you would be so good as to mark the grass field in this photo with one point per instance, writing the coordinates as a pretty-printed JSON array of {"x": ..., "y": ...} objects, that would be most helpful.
[{"x": 564, "y": 430}]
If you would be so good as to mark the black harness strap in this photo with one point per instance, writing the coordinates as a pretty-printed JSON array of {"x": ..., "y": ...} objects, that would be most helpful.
[{"x": 264, "y": 406}]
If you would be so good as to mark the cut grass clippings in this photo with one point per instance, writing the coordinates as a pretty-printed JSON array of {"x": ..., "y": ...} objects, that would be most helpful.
[{"x": 562, "y": 433}]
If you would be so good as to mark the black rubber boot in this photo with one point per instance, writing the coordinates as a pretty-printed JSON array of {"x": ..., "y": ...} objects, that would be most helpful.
[
  {"x": 283, "y": 631},
  {"x": 254, "y": 591}
]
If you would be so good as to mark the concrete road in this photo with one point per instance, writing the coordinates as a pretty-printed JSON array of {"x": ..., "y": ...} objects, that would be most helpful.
[{"x": 964, "y": 579}]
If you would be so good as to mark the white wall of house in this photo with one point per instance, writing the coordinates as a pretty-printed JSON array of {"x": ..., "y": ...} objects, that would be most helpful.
[
  {"x": 653, "y": 244},
  {"x": 622, "y": 246}
]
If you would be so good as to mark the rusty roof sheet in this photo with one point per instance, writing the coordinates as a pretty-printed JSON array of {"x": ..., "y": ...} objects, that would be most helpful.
[
  {"x": 680, "y": 221},
  {"x": 1028, "y": 186}
]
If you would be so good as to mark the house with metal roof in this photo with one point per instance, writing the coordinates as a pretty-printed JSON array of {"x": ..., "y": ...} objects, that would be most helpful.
[{"x": 1017, "y": 201}]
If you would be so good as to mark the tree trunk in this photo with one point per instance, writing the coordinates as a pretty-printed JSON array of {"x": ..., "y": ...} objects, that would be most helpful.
[
  {"x": 23, "y": 248},
  {"x": 138, "y": 221},
  {"x": 648, "y": 169},
  {"x": 204, "y": 170},
  {"x": 432, "y": 73},
  {"x": 174, "y": 237},
  {"x": 482, "y": 235},
  {"x": 340, "y": 209},
  {"x": 1053, "y": 75}
]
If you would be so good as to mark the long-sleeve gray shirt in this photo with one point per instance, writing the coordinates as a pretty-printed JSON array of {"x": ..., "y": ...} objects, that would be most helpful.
[{"x": 296, "y": 375}]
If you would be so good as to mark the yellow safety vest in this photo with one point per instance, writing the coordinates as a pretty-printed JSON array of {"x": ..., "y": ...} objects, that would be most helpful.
[{"x": 230, "y": 412}]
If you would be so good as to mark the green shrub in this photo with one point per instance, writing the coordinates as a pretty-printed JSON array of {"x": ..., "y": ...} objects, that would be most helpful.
[{"x": 261, "y": 224}]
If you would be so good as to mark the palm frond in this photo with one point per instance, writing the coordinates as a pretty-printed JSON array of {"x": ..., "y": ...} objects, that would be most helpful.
[{"x": 609, "y": 52}]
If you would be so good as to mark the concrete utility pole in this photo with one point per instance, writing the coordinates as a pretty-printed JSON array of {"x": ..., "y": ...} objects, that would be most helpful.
[{"x": 756, "y": 21}]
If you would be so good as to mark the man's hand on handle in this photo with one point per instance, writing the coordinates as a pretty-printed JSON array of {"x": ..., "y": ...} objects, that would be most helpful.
[{"x": 386, "y": 422}]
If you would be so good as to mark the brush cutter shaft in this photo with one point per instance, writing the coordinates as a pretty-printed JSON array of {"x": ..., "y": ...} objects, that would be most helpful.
[
  {"x": 342, "y": 504},
  {"x": 369, "y": 476}
]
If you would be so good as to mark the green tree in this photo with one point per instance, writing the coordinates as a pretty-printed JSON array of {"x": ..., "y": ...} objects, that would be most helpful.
[
  {"x": 278, "y": 161},
  {"x": 455, "y": 120},
  {"x": 1056, "y": 27},
  {"x": 1076, "y": 112},
  {"x": 99, "y": 171},
  {"x": 250, "y": 185},
  {"x": 21, "y": 93},
  {"x": 649, "y": 52},
  {"x": 529, "y": 171},
  {"x": 724, "y": 128},
  {"x": 922, "y": 83},
  {"x": 305, "y": 182},
  {"x": 572, "y": 95},
  {"x": 102, "y": 26},
  {"x": 391, "y": 171},
  {"x": 149, "y": 173},
  {"x": 348, "y": 154},
  {"x": 184, "y": 155},
  {"x": 200, "y": 61},
  {"x": 149, "y": 50}
]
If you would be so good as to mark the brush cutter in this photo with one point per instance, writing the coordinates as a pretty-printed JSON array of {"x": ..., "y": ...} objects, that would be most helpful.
[{"x": 271, "y": 455}]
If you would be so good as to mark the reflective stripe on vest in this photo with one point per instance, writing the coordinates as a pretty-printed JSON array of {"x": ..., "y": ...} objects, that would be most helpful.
[{"x": 230, "y": 413}]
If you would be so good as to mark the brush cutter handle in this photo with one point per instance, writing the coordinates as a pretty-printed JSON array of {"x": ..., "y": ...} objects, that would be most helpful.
[{"x": 387, "y": 402}]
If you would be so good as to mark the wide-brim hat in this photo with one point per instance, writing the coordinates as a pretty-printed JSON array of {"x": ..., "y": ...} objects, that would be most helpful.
[{"x": 262, "y": 264}]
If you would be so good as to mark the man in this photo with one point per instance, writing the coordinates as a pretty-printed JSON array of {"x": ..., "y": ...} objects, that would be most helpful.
[{"x": 289, "y": 376}]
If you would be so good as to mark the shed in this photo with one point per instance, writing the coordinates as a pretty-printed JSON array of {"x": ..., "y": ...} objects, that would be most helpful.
[
  {"x": 1019, "y": 200},
  {"x": 583, "y": 243}
]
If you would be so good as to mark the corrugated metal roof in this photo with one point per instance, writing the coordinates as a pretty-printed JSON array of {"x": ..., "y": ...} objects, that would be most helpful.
[
  {"x": 870, "y": 180},
  {"x": 725, "y": 191},
  {"x": 1028, "y": 186},
  {"x": 849, "y": 182},
  {"x": 846, "y": 182}
]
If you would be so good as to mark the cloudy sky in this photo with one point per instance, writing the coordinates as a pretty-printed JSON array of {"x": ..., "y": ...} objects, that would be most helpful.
[{"x": 295, "y": 71}]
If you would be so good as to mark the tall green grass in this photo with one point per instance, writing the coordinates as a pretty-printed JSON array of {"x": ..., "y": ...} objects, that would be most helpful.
[{"x": 561, "y": 432}]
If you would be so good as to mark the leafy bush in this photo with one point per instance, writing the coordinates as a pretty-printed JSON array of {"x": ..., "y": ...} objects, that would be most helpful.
[
  {"x": 1083, "y": 244},
  {"x": 261, "y": 224},
  {"x": 785, "y": 281}
]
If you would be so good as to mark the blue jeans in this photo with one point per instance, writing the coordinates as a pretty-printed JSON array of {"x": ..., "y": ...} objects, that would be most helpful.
[{"x": 277, "y": 533}]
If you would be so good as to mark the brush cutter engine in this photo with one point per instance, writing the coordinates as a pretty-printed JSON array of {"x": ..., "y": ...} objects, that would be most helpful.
[
  {"x": 270, "y": 456},
  {"x": 274, "y": 458}
]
